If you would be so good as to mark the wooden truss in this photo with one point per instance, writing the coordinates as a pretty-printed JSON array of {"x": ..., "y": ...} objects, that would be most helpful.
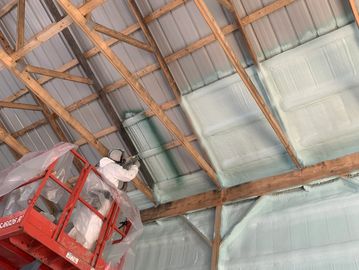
[{"x": 52, "y": 110}]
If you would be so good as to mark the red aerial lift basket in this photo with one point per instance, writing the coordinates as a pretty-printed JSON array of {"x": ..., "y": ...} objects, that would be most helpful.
[{"x": 28, "y": 235}]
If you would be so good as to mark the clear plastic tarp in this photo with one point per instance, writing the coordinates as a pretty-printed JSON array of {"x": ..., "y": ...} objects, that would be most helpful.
[{"x": 14, "y": 197}]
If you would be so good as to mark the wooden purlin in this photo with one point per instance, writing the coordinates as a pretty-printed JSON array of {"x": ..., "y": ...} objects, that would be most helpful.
[
  {"x": 108, "y": 107},
  {"x": 247, "y": 81},
  {"x": 143, "y": 72},
  {"x": 81, "y": 21},
  {"x": 45, "y": 97},
  {"x": 45, "y": 110},
  {"x": 51, "y": 30},
  {"x": 264, "y": 11}
]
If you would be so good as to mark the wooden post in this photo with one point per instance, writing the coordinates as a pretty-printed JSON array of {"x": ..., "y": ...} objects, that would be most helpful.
[
  {"x": 246, "y": 80},
  {"x": 20, "y": 24},
  {"x": 217, "y": 238}
]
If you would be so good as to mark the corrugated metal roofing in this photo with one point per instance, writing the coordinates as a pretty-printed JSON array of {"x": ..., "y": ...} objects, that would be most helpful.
[{"x": 224, "y": 139}]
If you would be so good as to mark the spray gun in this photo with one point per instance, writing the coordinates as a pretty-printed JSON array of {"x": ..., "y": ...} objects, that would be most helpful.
[{"x": 131, "y": 160}]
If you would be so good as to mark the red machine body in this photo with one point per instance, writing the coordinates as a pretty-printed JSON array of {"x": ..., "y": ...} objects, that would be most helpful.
[{"x": 28, "y": 235}]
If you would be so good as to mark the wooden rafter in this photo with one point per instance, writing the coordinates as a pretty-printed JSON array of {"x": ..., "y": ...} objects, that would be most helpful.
[
  {"x": 121, "y": 37},
  {"x": 21, "y": 106},
  {"x": 217, "y": 237},
  {"x": 107, "y": 105},
  {"x": 51, "y": 30},
  {"x": 57, "y": 74},
  {"x": 169, "y": 59},
  {"x": 20, "y": 40},
  {"x": 8, "y": 7},
  {"x": 81, "y": 21},
  {"x": 166, "y": 71},
  {"x": 143, "y": 72},
  {"x": 42, "y": 94},
  {"x": 246, "y": 80},
  {"x": 330, "y": 168},
  {"x": 354, "y": 10},
  {"x": 42, "y": 106}
]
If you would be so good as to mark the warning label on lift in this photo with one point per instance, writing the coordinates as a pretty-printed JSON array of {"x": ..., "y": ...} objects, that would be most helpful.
[
  {"x": 72, "y": 258},
  {"x": 10, "y": 222}
]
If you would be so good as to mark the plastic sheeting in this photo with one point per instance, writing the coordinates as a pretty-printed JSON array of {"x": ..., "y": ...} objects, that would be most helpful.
[{"x": 34, "y": 164}]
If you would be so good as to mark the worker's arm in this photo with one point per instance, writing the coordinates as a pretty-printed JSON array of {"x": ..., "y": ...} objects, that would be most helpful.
[{"x": 124, "y": 175}]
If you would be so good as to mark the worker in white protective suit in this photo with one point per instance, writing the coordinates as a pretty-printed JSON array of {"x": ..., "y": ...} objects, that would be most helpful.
[{"x": 87, "y": 225}]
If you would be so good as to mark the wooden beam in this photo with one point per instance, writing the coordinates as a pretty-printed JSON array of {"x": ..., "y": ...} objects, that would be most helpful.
[
  {"x": 20, "y": 40},
  {"x": 5, "y": 9},
  {"x": 154, "y": 15},
  {"x": 107, "y": 105},
  {"x": 42, "y": 80},
  {"x": 143, "y": 72},
  {"x": 354, "y": 10},
  {"x": 217, "y": 238},
  {"x": 57, "y": 74},
  {"x": 246, "y": 80},
  {"x": 42, "y": 94},
  {"x": 81, "y": 21},
  {"x": 21, "y": 106},
  {"x": 166, "y": 71},
  {"x": 260, "y": 13},
  {"x": 330, "y": 168},
  {"x": 45, "y": 110},
  {"x": 246, "y": 39},
  {"x": 121, "y": 37},
  {"x": 12, "y": 142},
  {"x": 51, "y": 30},
  {"x": 134, "y": 27},
  {"x": 4, "y": 43}
]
